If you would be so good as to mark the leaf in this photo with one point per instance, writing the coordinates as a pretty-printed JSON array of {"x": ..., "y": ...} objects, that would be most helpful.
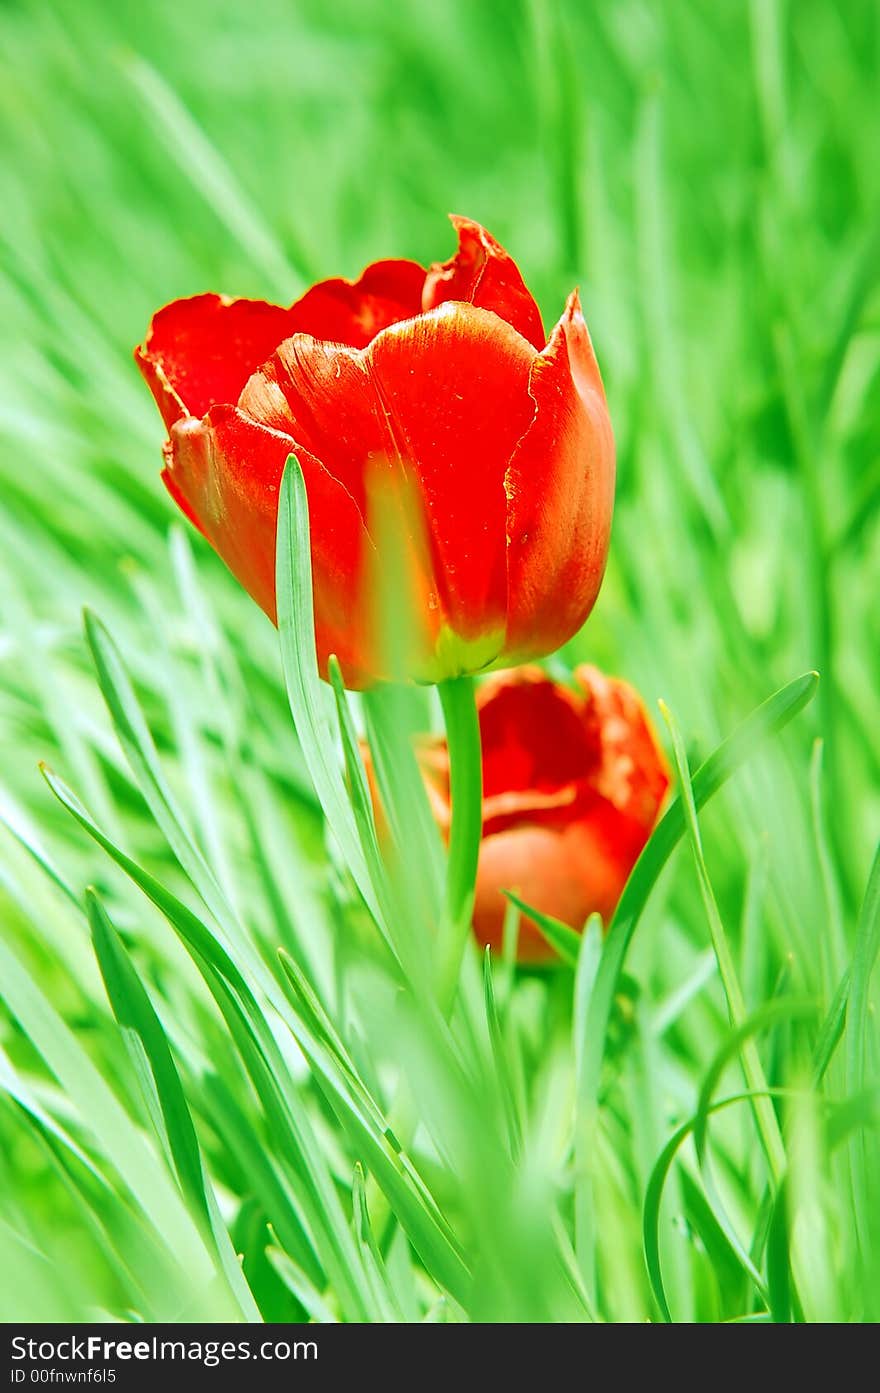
[
  {"x": 561, "y": 937},
  {"x": 135, "y": 1014},
  {"x": 409, "y": 1199},
  {"x": 201, "y": 164},
  {"x": 358, "y": 788},
  {"x": 17, "y": 822},
  {"x": 298, "y": 1285},
  {"x": 16, "y": 1088},
  {"x": 779, "y": 1289},
  {"x": 831, "y": 1030},
  {"x": 380, "y": 1287},
  {"x": 753, "y": 1070},
  {"x": 310, "y": 700},
  {"x": 866, "y": 948},
  {"x": 652, "y": 1202},
  {"x": 122, "y": 1143},
  {"x": 390, "y": 725},
  {"x": 140, "y": 751},
  {"x": 137, "y": 742},
  {"x": 590, "y": 947},
  {"x": 415, "y": 854},
  {"x": 324, "y": 1033},
  {"x": 499, "y": 1056},
  {"x": 259, "y": 1051},
  {"x": 771, "y": 716},
  {"x": 264, "y": 1063},
  {"x": 245, "y": 1143}
]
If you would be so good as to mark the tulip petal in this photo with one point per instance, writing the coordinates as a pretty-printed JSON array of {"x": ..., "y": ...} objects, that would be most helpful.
[
  {"x": 354, "y": 312},
  {"x": 631, "y": 772},
  {"x": 534, "y": 739},
  {"x": 225, "y": 471},
  {"x": 201, "y": 351},
  {"x": 441, "y": 400},
  {"x": 484, "y": 274},
  {"x": 566, "y": 865},
  {"x": 560, "y": 490},
  {"x": 537, "y": 864}
]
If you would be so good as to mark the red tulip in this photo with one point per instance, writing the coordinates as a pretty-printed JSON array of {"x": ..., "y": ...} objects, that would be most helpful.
[
  {"x": 572, "y": 786},
  {"x": 439, "y": 384}
]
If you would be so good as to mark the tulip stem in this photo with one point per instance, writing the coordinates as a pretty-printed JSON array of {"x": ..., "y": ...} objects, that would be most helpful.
[{"x": 466, "y": 795}]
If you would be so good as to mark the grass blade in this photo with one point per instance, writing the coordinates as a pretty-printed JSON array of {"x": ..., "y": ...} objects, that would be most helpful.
[
  {"x": 120, "y": 1140},
  {"x": 753, "y": 1070},
  {"x": 867, "y": 946},
  {"x": 201, "y": 163},
  {"x": 770, "y": 717},
  {"x": 309, "y": 698},
  {"x": 136, "y": 1017},
  {"x": 562, "y": 939}
]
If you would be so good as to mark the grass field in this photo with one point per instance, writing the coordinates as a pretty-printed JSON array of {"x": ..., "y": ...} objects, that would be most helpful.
[{"x": 605, "y": 1140}]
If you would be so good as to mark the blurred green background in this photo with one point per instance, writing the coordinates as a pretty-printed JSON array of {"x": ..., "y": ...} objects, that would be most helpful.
[{"x": 708, "y": 174}]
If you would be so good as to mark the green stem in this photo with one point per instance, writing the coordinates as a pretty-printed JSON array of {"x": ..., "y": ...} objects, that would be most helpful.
[{"x": 466, "y": 793}]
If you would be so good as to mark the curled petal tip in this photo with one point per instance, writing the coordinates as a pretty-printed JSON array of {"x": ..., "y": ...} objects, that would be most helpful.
[
  {"x": 573, "y": 303},
  {"x": 470, "y": 228},
  {"x": 483, "y": 273}
]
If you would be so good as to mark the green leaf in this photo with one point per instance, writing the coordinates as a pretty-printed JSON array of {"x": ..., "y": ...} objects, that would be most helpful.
[
  {"x": 768, "y": 718},
  {"x": 137, "y": 743},
  {"x": 499, "y": 1056},
  {"x": 324, "y": 1033},
  {"x": 562, "y": 939},
  {"x": 260, "y": 1053},
  {"x": 140, "y": 751},
  {"x": 753, "y": 1070},
  {"x": 391, "y": 727},
  {"x": 16, "y": 821},
  {"x": 267, "y": 1179},
  {"x": 406, "y": 1193},
  {"x": 135, "y": 1014},
  {"x": 415, "y": 854},
  {"x": 779, "y": 1288},
  {"x": 298, "y": 1285},
  {"x": 201, "y": 165},
  {"x": 358, "y": 788},
  {"x": 590, "y": 946},
  {"x": 311, "y": 702},
  {"x": 380, "y": 1287},
  {"x": 863, "y": 1159},
  {"x": 653, "y": 1199},
  {"x": 831, "y": 1030},
  {"x": 120, "y": 1140}
]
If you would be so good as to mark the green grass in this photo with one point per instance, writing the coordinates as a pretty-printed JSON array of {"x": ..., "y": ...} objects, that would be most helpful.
[{"x": 233, "y": 1043}]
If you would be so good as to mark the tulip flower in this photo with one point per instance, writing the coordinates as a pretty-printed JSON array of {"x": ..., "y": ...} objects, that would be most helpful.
[
  {"x": 441, "y": 385},
  {"x": 573, "y": 782}
]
